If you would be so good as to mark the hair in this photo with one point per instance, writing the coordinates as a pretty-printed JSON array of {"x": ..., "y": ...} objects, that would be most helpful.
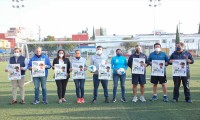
[
  {"x": 17, "y": 49},
  {"x": 118, "y": 49},
  {"x": 39, "y": 48},
  {"x": 157, "y": 44},
  {"x": 137, "y": 46},
  {"x": 77, "y": 50},
  {"x": 58, "y": 54},
  {"x": 99, "y": 46}
]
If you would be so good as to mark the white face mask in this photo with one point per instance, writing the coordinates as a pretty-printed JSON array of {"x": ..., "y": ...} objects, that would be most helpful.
[
  {"x": 61, "y": 55},
  {"x": 99, "y": 52},
  {"x": 16, "y": 54},
  {"x": 157, "y": 49}
]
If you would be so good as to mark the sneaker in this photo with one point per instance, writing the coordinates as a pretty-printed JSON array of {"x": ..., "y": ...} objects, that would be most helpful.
[
  {"x": 106, "y": 100},
  {"x": 13, "y": 102},
  {"x": 64, "y": 100},
  {"x": 22, "y": 102},
  {"x": 188, "y": 101},
  {"x": 165, "y": 99},
  {"x": 142, "y": 99},
  {"x": 123, "y": 100},
  {"x": 174, "y": 100},
  {"x": 135, "y": 99},
  {"x": 114, "y": 100},
  {"x": 82, "y": 100},
  {"x": 154, "y": 98},
  {"x": 35, "y": 102},
  {"x": 78, "y": 100},
  {"x": 45, "y": 102},
  {"x": 94, "y": 101},
  {"x": 60, "y": 101}
]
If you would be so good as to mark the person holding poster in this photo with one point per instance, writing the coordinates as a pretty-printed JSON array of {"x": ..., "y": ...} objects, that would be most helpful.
[
  {"x": 78, "y": 68},
  {"x": 63, "y": 80},
  {"x": 119, "y": 62},
  {"x": 39, "y": 65},
  {"x": 181, "y": 54},
  {"x": 97, "y": 59},
  {"x": 138, "y": 78},
  {"x": 21, "y": 61},
  {"x": 158, "y": 55}
]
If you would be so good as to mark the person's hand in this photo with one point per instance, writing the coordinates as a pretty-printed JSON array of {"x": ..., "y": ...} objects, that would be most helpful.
[
  {"x": 21, "y": 68},
  {"x": 145, "y": 65},
  {"x": 171, "y": 61},
  {"x": 70, "y": 69},
  {"x": 85, "y": 69},
  {"x": 166, "y": 63},
  {"x": 66, "y": 74},
  {"x": 189, "y": 61},
  {"x": 6, "y": 70},
  {"x": 30, "y": 68},
  {"x": 150, "y": 63}
]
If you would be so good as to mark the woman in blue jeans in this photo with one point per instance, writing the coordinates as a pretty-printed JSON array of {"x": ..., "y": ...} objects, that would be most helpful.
[
  {"x": 78, "y": 68},
  {"x": 119, "y": 65}
]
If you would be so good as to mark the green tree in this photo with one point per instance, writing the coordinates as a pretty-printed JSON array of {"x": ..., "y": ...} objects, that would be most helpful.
[
  {"x": 177, "y": 35},
  {"x": 93, "y": 35},
  {"x": 199, "y": 29},
  {"x": 128, "y": 45},
  {"x": 49, "y": 47},
  {"x": 68, "y": 47},
  {"x": 101, "y": 31}
]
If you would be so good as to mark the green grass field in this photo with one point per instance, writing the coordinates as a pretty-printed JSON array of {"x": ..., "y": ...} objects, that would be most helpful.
[{"x": 127, "y": 111}]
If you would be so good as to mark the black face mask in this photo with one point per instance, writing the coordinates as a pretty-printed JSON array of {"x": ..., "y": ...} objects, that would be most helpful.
[
  {"x": 38, "y": 56},
  {"x": 137, "y": 51}
]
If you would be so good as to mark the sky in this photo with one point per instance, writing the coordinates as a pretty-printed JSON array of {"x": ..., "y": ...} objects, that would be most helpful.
[{"x": 121, "y": 17}]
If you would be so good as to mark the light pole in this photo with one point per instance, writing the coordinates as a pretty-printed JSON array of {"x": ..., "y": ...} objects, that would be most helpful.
[
  {"x": 18, "y": 4},
  {"x": 154, "y": 4}
]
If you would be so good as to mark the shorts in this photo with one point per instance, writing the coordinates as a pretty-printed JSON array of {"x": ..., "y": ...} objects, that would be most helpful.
[
  {"x": 160, "y": 79},
  {"x": 138, "y": 79}
]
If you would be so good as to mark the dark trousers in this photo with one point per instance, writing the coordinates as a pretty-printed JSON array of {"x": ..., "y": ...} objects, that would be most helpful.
[
  {"x": 61, "y": 87},
  {"x": 96, "y": 82},
  {"x": 177, "y": 81},
  {"x": 79, "y": 84}
]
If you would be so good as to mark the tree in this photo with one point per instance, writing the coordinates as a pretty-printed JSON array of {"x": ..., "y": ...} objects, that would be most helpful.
[
  {"x": 93, "y": 35},
  {"x": 49, "y": 47},
  {"x": 128, "y": 45},
  {"x": 177, "y": 35},
  {"x": 68, "y": 47},
  {"x": 101, "y": 31},
  {"x": 199, "y": 29}
]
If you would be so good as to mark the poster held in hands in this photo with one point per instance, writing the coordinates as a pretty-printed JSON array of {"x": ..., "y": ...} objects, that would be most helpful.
[{"x": 14, "y": 72}]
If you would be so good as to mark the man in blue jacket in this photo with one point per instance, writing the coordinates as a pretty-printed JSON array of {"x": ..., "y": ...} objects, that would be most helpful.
[
  {"x": 37, "y": 80},
  {"x": 159, "y": 55},
  {"x": 180, "y": 54},
  {"x": 119, "y": 65}
]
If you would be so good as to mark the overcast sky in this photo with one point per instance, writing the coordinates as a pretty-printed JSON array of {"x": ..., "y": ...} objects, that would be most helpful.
[{"x": 65, "y": 17}]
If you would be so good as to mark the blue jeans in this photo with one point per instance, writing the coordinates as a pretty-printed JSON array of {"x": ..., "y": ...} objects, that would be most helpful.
[
  {"x": 96, "y": 82},
  {"x": 122, "y": 78},
  {"x": 36, "y": 81},
  {"x": 79, "y": 84}
]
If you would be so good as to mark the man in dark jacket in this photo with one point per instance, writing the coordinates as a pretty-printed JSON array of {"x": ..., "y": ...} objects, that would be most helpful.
[{"x": 181, "y": 54}]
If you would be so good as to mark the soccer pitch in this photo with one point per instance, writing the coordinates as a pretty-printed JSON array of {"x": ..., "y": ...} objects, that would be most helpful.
[{"x": 156, "y": 110}]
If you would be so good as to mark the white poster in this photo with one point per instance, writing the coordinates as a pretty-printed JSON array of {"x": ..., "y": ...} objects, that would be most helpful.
[
  {"x": 104, "y": 71},
  {"x": 138, "y": 66},
  {"x": 179, "y": 68},
  {"x": 38, "y": 68},
  {"x": 14, "y": 72},
  {"x": 60, "y": 71},
  {"x": 78, "y": 71},
  {"x": 158, "y": 67}
]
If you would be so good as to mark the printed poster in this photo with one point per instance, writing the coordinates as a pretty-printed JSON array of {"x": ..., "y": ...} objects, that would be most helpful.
[
  {"x": 78, "y": 71},
  {"x": 60, "y": 71},
  {"x": 138, "y": 66},
  {"x": 104, "y": 71},
  {"x": 38, "y": 68},
  {"x": 179, "y": 68},
  {"x": 14, "y": 72},
  {"x": 158, "y": 67}
]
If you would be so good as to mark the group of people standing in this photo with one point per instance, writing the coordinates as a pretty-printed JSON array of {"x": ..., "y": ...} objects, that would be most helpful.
[{"x": 117, "y": 62}]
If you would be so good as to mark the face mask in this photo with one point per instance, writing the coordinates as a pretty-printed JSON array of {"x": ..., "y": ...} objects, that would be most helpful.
[
  {"x": 178, "y": 49},
  {"x": 61, "y": 55},
  {"x": 99, "y": 52},
  {"x": 119, "y": 54},
  {"x": 157, "y": 49},
  {"x": 16, "y": 54}
]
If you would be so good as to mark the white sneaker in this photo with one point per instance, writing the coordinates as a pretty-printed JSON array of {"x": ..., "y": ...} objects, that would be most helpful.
[
  {"x": 142, "y": 99},
  {"x": 135, "y": 99}
]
